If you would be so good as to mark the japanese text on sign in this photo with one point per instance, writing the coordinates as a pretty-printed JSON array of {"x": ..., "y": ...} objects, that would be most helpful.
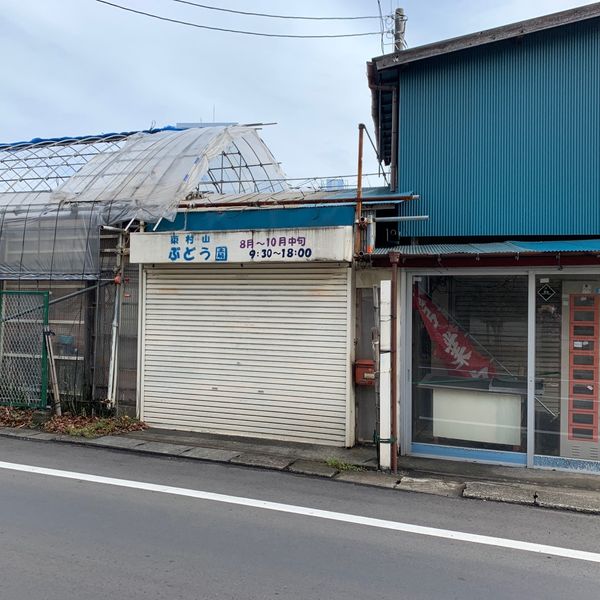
[
  {"x": 194, "y": 250},
  {"x": 277, "y": 246},
  {"x": 243, "y": 246}
]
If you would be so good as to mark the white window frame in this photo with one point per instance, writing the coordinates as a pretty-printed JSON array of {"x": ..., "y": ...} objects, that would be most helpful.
[{"x": 404, "y": 339}]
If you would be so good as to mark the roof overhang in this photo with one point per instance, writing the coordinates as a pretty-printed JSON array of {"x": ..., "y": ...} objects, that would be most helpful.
[
  {"x": 489, "y": 36},
  {"x": 494, "y": 254},
  {"x": 496, "y": 248},
  {"x": 374, "y": 197}
]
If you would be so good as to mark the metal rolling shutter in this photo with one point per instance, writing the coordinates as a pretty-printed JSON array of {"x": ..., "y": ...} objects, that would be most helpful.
[{"x": 258, "y": 351}]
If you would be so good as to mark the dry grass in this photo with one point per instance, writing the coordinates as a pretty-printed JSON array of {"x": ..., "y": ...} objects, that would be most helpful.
[
  {"x": 15, "y": 417},
  {"x": 91, "y": 427}
]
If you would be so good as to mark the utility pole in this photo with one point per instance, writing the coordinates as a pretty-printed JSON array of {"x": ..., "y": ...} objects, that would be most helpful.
[{"x": 399, "y": 28}]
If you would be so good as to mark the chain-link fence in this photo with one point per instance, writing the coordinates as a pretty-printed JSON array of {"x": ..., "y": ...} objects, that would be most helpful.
[{"x": 23, "y": 358}]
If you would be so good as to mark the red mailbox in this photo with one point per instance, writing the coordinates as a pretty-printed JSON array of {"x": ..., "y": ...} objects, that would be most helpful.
[{"x": 364, "y": 372}]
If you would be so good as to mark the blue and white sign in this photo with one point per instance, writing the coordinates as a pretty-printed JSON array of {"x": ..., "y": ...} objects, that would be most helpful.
[{"x": 273, "y": 245}]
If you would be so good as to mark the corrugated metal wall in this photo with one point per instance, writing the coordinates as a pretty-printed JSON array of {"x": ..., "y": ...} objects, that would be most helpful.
[
  {"x": 505, "y": 140},
  {"x": 257, "y": 351}
]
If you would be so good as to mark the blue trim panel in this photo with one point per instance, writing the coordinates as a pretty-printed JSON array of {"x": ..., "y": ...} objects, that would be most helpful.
[
  {"x": 571, "y": 464},
  {"x": 473, "y": 454},
  {"x": 275, "y": 218}
]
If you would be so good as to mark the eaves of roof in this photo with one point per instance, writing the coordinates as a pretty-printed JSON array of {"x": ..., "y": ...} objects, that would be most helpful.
[{"x": 489, "y": 36}]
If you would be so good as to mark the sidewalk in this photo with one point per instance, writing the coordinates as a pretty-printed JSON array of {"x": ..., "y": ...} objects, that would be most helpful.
[{"x": 549, "y": 489}]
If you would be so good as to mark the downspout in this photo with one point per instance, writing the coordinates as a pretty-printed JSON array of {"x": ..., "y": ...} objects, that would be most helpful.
[
  {"x": 394, "y": 149},
  {"x": 394, "y": 259}
]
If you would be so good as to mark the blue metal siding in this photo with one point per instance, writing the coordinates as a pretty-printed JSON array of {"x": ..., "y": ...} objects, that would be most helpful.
[
  {"x": 275, "y": 218},
  {"x": 505, "y": 140}
]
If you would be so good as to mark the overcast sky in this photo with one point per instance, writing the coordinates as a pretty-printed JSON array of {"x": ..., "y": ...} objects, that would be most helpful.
[{"x": 75, "y": 67}]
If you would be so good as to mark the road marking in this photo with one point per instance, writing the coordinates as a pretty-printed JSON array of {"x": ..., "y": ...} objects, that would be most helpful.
[{"x": 313, "y": 512}]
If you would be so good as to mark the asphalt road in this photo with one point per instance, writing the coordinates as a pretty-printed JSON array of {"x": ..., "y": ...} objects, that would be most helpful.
[{"x": 66, "y": 539}]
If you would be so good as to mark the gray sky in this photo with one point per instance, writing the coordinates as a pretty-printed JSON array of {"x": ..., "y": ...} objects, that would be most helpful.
[{"x": 73, "y": 67}]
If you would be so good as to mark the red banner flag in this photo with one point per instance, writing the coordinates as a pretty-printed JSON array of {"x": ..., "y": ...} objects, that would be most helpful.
[{"x": 451, "y": 344}]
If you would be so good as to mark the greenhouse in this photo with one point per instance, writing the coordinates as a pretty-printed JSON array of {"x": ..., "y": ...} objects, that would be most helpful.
[{"x": 68, "y": 294}]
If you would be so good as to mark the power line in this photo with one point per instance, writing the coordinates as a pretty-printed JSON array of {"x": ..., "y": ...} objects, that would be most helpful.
[
  {"x": 381, "y": 24},
  {"x": 223, "y": 29},
  {"x": 270, "y": 16}
]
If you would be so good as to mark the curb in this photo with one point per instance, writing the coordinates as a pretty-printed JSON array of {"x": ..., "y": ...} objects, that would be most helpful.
[{"x": 566, "y": 499}]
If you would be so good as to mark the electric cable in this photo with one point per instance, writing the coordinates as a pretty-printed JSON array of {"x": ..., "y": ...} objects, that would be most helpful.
[
  {"x": 237, "y": 31},
  {"x": 271, "y": 16},
  {"x": 382, "y": 25}
]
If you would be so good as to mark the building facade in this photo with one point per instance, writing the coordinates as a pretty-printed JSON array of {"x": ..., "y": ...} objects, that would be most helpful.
[{"x": 499, "y": 284}]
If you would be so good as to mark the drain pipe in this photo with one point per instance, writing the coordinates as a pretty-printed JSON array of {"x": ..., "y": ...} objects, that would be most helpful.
[{"x": 394, "y": 259}]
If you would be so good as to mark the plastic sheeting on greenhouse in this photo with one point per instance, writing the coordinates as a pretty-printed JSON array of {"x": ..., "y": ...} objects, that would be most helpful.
[
  {"x": 40, "y": 239},
  {"x": 53, "y": 230}
]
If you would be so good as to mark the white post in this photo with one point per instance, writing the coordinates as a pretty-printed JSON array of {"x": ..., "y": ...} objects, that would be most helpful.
[
  {"x": 385, "y": 382},
  {"x": 531, "y": 300}
]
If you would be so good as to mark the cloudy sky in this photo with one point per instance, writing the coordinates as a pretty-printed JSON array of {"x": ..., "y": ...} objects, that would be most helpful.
[{"x": 75, "y": 67}]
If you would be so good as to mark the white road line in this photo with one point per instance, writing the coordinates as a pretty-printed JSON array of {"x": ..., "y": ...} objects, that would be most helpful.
[{"x": 313, "y": 512}]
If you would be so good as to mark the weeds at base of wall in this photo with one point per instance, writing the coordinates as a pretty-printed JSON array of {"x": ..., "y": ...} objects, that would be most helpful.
[
  {"x": 335, "y": 463},
  {"x": 70, "y": 424},
  {"x": 91, "y": 427}
]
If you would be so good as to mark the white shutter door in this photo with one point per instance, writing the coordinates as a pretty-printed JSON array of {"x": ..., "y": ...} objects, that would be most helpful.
[{"x": 258, "y": 351}]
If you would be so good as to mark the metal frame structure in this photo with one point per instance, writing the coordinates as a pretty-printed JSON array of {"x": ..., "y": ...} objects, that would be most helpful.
[
  {"x": 61, "y": 221},
  {"x": 43, "y": 165}
]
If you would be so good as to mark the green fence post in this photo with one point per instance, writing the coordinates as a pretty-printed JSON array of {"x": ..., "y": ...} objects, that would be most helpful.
[{"x": 45, "y": 319}]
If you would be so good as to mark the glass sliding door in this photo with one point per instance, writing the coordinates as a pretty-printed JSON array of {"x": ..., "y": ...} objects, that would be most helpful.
[
  {"x": 469, "y": 366},
  {"x": 568, "y": 366}
]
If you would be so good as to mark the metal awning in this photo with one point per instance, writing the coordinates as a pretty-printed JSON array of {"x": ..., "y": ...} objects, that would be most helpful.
[{"x": 496, "y": 248}]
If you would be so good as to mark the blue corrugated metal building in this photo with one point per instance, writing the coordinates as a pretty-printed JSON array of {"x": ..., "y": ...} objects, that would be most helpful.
[
  {"x": 499, "y": 132},
  {"x": 498, "y": 290}
]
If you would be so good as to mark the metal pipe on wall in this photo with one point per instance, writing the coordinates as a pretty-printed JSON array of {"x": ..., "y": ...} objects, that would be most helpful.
[
  {"x": 358, "y": 224},
  {"x": 113, "y": 370}
]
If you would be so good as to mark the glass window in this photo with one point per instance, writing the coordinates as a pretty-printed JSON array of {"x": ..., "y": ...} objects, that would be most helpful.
[
  {"x": 568, "y": 364},
  {"x": 469, "y": 361}
]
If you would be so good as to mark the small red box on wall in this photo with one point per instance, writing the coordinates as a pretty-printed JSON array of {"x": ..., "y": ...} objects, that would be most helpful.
[{"x": 364, "y": 372}]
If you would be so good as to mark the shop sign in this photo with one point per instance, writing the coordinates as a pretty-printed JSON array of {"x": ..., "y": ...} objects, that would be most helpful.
[
  {"x": 546, "y": 292},
  {"x": 272, "y": 245}
]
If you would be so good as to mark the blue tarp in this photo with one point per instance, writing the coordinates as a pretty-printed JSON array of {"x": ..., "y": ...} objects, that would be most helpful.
[{"x": 99, "y": 136}]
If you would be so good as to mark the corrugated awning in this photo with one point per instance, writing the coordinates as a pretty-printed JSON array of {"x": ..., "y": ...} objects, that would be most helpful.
[
  {"x": 370, "y": 196},
  {"x": 495, "y": 248}
]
